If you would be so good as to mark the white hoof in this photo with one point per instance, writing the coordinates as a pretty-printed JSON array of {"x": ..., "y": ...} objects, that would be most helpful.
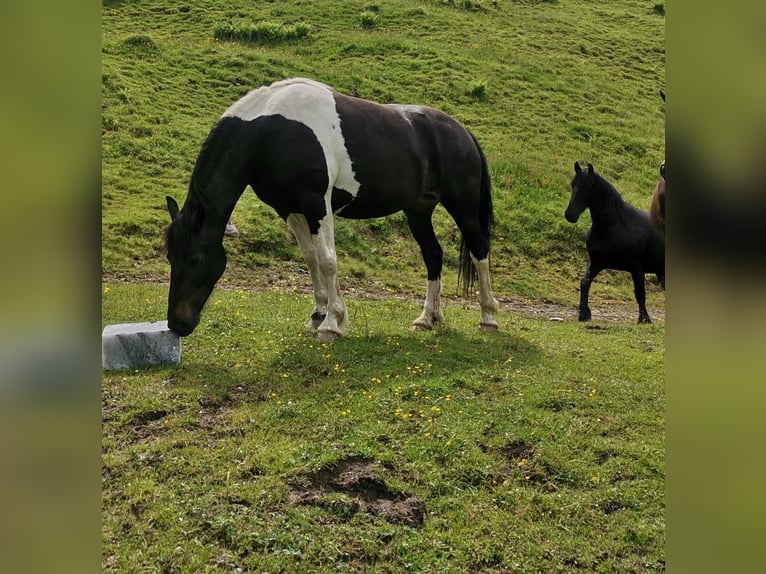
[
  {"x": 327, "y": 336},
  {"x": 488, "y": 327}
]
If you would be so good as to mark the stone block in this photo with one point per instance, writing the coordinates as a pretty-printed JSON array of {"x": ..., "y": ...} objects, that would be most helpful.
[{"x": 128, "y": 345}]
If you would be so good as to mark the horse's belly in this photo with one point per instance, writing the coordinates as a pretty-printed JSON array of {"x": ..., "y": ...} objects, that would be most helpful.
[{"x": 367, "y": 204}]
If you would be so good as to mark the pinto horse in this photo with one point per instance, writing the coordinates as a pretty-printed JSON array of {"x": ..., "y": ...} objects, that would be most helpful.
[
  {"x": 311, "y": 153},
  {"x": 621, "y": 237}
]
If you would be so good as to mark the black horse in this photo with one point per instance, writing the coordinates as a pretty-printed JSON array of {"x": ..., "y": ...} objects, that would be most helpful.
[
  {"x": 621, "y": 237},
  {"x": 310, "y": 152}
]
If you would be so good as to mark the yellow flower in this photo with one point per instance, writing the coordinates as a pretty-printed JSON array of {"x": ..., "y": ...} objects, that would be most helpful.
[{"x": 106, "y": 290}]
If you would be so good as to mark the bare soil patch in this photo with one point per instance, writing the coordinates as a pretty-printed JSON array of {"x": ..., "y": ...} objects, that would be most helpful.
[{"x": 359, "y": 480}]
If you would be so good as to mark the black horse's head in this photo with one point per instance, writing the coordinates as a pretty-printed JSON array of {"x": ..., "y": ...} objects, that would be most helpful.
[
  {"x": 582, "y": 188},
  {"x": 197, "y": 260}
]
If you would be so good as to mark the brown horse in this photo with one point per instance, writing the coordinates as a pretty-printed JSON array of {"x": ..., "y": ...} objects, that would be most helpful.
[{"x": 657, "y": 209}]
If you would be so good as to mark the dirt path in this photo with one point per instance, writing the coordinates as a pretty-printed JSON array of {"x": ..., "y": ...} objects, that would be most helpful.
[{"x": 291, "y": 277}]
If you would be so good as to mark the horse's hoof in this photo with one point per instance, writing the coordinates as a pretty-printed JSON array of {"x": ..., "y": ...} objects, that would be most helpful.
[
  {"x": 644, "y": 320},
  {"x": 488, "y": 327},
  {"x": 422, "y": 326},
  {"x": 584, "y": 317},
  {"x": 327, "y": 336}
]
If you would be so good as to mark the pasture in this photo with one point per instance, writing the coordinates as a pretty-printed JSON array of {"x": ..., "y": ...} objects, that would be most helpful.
[
  {"x": 526, "y": 450},
  {"x": 536, "y": 448}
]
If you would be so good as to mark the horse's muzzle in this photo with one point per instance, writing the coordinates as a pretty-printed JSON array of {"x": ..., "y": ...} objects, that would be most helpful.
[
  {"x": 571, "y": 216},
  {"x": 183, "y": 321}
]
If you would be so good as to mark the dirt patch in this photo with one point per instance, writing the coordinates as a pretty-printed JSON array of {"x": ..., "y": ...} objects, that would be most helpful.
[
  {"x": 358, "y": 479},
  {"x": 144, "y": 424},
  {"x": 292, "y": 277}
]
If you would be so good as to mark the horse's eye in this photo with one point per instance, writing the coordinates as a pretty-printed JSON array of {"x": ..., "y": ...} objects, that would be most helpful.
[{"x": 195, "y": 259}]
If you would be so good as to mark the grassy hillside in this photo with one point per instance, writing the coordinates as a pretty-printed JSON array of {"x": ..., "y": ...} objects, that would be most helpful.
[{"x": 541, "y": 84}]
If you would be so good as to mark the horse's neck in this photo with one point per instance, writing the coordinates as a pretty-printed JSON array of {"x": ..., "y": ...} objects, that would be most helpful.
[
  {"x": 217, "y": 209},
  {"x": 606, "y": 204}
]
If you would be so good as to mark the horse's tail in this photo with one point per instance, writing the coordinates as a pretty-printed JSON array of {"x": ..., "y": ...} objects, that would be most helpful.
[{"x": 467, "y": 274}]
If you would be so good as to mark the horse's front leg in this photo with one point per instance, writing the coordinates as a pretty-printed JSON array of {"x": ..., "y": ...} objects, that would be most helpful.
[
  {"x": 300, "y": 229},
  {"x": 639, "y": 289},
  {"x": 336, "y": 317},
  {"x": 432, "y": 309},
  {"x": 587, "y": 279}
]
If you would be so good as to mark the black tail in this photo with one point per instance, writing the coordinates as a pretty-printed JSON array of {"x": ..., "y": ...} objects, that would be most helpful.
[{"x": 467, "y": 273}]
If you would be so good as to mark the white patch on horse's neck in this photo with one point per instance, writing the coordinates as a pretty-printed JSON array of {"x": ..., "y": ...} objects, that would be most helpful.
[{"x": 312, "y": 104}]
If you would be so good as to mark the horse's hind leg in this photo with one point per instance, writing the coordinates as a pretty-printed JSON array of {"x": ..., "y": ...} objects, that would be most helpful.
[
  {"x": 639, "y": 288},
  {"x": 423, "y": 231},
  {"x": 479, "y": 254},
  {"x": 300, "y": 229},
  {"x": 489, "y": 304}
]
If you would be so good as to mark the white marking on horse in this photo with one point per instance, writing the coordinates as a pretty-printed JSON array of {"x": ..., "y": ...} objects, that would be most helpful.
[
  {"x": 432, "y": 312},
  {"x": 488, "y": 303},
  {"x": 312, "y": 104}
]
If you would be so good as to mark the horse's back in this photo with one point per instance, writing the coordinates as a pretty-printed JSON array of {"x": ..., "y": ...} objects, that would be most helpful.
[{"x": 625, "y": 240}]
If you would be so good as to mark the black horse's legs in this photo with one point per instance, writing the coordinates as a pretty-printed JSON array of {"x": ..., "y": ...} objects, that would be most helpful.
[
  {"x": 300, "y": 229},
  {"x": 639, "y": 288},
  {"x": 587, "y": 279},
  {"x": 423, "y": 231}
]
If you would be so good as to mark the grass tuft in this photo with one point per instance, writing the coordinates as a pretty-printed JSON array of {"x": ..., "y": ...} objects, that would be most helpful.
[
  {"x": 478, "y": 89},
  {"x": 369, "y": 19},
  {"x": 265, "y": 31}
]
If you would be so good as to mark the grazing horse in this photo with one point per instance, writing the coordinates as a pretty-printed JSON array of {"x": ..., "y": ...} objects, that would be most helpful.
[
  {"x": 311, "y": 153},
  {"x": 620, "y": 237}
]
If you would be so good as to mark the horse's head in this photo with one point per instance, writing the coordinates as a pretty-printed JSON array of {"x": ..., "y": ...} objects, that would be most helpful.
[
  {"x": 197, "y": 260},
  {"x": 582, "y": 189}
]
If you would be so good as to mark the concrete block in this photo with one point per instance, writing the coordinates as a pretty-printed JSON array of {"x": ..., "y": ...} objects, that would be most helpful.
[{"x": 129, "y": 345}]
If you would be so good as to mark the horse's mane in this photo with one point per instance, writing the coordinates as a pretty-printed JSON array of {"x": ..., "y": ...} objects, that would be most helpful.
[{"x": 606, "y": 195}]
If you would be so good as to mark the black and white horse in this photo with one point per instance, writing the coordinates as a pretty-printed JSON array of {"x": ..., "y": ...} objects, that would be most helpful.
[
  {"x": 620, "y": 237},
  {"x": 310, "y": 152}
]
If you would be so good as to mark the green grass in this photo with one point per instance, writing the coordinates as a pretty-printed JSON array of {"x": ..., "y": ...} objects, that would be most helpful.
[
  {"x": 548, "y": 455},
  {"x": 528, "y": 449},
  {"x": 265, "y": 31}
]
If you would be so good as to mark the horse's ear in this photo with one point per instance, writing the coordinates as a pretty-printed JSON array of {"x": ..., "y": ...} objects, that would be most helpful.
[
  {"x": 590, "y": 169},
  {"x": 578, "y": 169},
  {"x": 172, "y": 207},
  {"x": 662, "y": 95}
]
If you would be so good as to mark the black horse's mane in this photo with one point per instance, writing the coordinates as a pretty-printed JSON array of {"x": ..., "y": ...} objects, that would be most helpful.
[{"x": 605, "y": 195}]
